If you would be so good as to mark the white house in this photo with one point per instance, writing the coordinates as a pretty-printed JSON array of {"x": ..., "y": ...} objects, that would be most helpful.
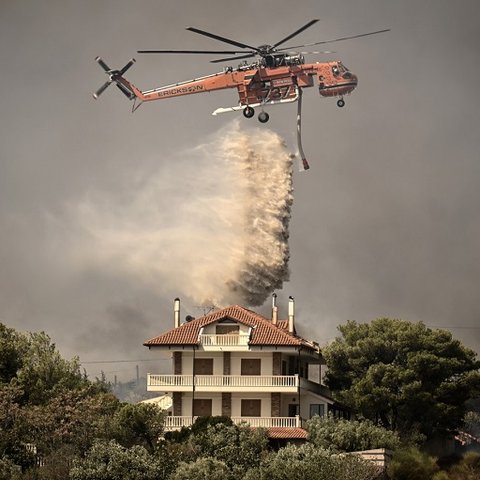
[{"x": 234, "y": 362}]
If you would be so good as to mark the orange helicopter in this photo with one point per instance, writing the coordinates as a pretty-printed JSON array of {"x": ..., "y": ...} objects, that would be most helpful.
[{"x": 276, "y": 77}]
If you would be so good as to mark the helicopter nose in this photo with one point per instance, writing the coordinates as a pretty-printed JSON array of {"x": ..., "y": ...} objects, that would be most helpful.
[{"x": 352, "y": 78}]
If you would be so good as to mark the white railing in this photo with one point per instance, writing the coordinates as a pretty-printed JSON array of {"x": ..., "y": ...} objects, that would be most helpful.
[
  {"x": 268, "y": 422},
  {"x": 239, "y": 381},
  {"x": 177, "y": 422},
  {"x": 228, "y": 340}
]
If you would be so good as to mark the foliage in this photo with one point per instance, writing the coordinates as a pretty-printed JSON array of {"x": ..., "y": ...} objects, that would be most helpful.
[
  {"x": 403, "y": 375},
  {"x": 312, "y": 463},
  {"x": 12, "y": 349},
  {"x": 139, "y": 424},
  {"x": 8, "y": 470},
  {"x": 203, "y": 469},
  {"x": 471, "y": 423},
  {"x": 412, "y": 464},
  {"x": 32, "y": 363},
  {"x": 111, "y": 461},
  {"x": 237, "y": 446},
  {"x": 467, "y": 469},
  {"x": 75, "y": 418},
  {"x": 350, "y": 436}
]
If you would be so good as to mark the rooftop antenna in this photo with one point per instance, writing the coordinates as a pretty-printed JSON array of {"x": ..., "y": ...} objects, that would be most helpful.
[{"x": 206, "y": 309}]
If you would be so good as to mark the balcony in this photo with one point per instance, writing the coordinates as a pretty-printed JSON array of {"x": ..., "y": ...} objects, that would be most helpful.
[
  {"x": 224, "y": 342},
  {"x": 223, "y": 383},
  {"x": 176, "y": 422}
]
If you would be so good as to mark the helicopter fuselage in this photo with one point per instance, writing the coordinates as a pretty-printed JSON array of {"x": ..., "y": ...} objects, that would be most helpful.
[{"x": 258, "y": 84}]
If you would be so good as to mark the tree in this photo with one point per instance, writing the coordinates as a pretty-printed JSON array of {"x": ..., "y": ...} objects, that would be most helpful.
[
  {"x": 467, "y": 469},
  {"x": 238, "y": 446},
  {"x": 203, "y": 469},
  {"x": 73, "y": 418},
  {"x": 349, "y": 436},
  {"x": 139, "y": 424},
  {"x": 43, "y": 372},
  {"x": 111, "y": 461},
  {"x": 312, "y": 463},
  {"x": 412, "y": 464},
  {"x": 12, "y": 349},
  {"x": 402, "y": 375}
]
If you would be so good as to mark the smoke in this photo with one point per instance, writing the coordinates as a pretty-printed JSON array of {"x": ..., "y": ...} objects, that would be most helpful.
[{"x": 210, "y": 224}]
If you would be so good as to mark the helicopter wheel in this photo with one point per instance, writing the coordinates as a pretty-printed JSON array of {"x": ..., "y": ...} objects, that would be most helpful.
[
  {"x": 340, "y": 102},
  {"x": 263, "y": 117},
  {"x": 248, "y": 112}
]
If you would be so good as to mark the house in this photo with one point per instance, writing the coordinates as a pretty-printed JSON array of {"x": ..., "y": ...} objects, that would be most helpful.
[{"x": 234, "y": 362}]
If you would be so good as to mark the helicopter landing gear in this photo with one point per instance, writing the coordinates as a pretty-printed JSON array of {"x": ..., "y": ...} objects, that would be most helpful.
[
  {"x": 340, "y": 102},
  {"x": 263, "y": 117},
  {"x": 248, "y": 112}
]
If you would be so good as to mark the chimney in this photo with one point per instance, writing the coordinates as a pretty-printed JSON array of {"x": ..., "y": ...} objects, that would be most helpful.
[
  {"x": 291, "y": 314},
  {"x": 274, "y": 309},
  {"x": 176, "y": 312}
]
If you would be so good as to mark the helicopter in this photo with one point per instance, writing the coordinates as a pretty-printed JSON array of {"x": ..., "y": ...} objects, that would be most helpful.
[{"x": 276, "y": 75}]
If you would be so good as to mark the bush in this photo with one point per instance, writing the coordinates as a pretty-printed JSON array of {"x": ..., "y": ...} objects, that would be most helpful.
[
  {"x": 412, "y": 464},
  {"x": 350, "y": 436},
  {"x": 111, "y": 461},
  {"x": 202, "y": 469},
  {"x": 312, "y": 463}
]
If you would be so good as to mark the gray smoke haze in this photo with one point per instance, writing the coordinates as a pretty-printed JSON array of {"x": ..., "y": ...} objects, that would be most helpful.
[
  {"x": 385, "y": 223},
  {"x": 215, "y": 239}
]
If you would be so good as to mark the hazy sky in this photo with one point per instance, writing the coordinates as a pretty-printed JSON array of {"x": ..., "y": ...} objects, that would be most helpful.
[{"x": 386, "y": 222}]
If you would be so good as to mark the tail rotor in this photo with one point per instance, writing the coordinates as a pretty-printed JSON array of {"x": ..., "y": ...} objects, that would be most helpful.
[{"x": 113, "y": 77}]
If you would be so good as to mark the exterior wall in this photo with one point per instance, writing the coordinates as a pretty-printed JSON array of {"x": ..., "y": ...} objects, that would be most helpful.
[
  {"x": 216, "y": 402},
  {"x": 227, "y": 404},
  {"x": 276, "y": 363},
  {"x": 177, "y": 403},
  {"x": 227, "y": 363},
  {"x": 211, "y": 329},
  {"x": 276, "y": 399},
  {"x": 307, "y": 399},
  {"x": 266, "y": 361},
  {"x": 266, "y": 406},
  {"x": 177, "y": 363}
]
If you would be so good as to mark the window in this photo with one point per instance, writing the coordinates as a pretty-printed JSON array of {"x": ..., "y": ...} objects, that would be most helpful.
[
  {"x": 250, "y": 366},
  {"x": 317, "y": 409},
  {"x": 251, "y": 408},
  {"x": 202, "y": 407},
  {"x": 203, "y": 366}
]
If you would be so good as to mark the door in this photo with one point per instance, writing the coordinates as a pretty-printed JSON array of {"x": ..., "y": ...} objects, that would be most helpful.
[{"x": 293, "y": 409}]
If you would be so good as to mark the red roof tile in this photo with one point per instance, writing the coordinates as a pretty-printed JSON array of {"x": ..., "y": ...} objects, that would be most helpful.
[
  {"x": 264, "y": 333},
  {"x": 287, "y": 433}
]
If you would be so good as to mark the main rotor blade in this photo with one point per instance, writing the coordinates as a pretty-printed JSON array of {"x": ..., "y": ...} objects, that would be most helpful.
[
  {"x": 250, "y": 55},
  {"x": 300, "y": 30},
  {"x": 209, "y": 52},
  {"x": 222, "y": 39},
  {"x": 333, "y": 40}
]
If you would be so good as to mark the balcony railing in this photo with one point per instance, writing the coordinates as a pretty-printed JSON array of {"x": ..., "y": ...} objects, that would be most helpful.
[
  {"x": 223, "y": 383},
  {"x": 228, "y": 340},
  {"x": 177, "y": 422}
]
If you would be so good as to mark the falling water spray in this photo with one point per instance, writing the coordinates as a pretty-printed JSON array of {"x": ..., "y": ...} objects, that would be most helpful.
[{"x": 211, "y": 224}]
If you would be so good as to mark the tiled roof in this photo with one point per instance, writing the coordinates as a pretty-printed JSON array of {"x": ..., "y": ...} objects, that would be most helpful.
[
  {"x": 287, "y": 433},
  {"x": 264, "y": 333}
]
